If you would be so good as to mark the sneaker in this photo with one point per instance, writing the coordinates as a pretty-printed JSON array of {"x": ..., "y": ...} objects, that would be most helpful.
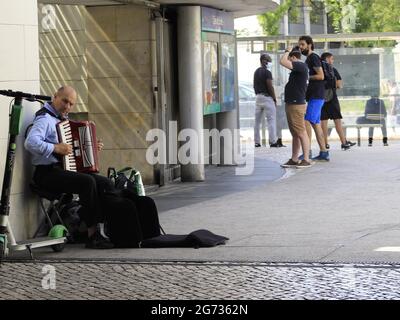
[
  {"x": 323, "y": 156},
  {"x": 327, "y": 146},
  {"x": 97, "y": 241},
  {"x": 290, "y": 164},
  {"x": 351, "y": 144},
  {"x": 303, "y": 164},
  {"x": 302, "y": 156},
  {"x": 279, "y": 142},
  {"x": 345, "y": 147},
  {"x": 257, "y": 145},
  {"x": 385, "y": 143},
  {"x": 369, "y": 142},
  {"x": 274, "y": 145}
]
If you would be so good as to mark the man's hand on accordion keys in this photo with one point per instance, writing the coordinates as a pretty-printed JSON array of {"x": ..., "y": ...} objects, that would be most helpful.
[
  {"x": 100, "y": 145},
  {"x": 63, "y": 149}
]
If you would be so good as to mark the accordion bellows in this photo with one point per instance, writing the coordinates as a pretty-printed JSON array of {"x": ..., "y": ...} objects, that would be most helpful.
[{"x": 81, "y": 135}]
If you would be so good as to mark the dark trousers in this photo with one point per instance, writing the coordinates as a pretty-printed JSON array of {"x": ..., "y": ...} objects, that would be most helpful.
[
  {"x": 383, "y": 128},
  {"x": 89, "y": 187},
  {"x": 130, "y": 218}
]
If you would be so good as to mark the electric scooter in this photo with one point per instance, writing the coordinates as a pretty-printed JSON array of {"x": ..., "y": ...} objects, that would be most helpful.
[{"x": 57, "y": 235}]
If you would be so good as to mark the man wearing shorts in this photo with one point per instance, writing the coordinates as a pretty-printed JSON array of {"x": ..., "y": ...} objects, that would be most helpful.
[
  {"x": 295, "y": 100},
  {"x": 331, "y": 108},
  {"x": 315, "y": 95}
]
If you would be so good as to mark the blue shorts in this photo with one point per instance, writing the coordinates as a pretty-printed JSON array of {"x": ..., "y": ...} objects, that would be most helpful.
[{"x": 313, "y": 113}]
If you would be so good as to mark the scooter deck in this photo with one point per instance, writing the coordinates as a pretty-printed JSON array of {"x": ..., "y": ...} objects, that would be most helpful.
[{"x": 38, "y": 243}]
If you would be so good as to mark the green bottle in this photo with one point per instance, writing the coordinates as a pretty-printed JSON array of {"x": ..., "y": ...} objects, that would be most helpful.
[{"x": 139, "y": 184}]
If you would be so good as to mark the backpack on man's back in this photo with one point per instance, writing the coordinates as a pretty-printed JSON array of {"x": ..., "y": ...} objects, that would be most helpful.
[{"x": 329, "y": 80}]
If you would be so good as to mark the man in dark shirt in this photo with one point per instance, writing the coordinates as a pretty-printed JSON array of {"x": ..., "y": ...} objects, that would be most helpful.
[
  {"x": 295, "y": 100},
  {"x": 315, "y": 95},
  {"x": 265, "y": 101},
  {"x": 375, "y": 112},
  {"x": 331, "y": 108}
]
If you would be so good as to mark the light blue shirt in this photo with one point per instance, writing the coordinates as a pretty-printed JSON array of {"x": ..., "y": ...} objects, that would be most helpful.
[{"x": 42, "y": 137}]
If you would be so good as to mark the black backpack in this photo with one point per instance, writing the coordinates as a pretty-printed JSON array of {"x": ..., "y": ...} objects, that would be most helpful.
[
  {"x": 77, "y": 230},
  {"x": 330, "y": 80}
]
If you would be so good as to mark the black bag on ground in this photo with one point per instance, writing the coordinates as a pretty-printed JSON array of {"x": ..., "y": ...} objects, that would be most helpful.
[
  {"x": 205, "y": 238},
  {"x": 147, "y": 213},
  {"x": 122, "y": 221},
  {"x": 167, "y": 241},
  {"x": 196, "y": 239}
]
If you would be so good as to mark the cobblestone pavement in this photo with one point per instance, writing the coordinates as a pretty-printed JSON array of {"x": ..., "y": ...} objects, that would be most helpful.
[{"x": 201, "y": 281}]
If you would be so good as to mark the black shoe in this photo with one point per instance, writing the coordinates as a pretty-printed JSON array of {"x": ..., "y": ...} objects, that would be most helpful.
[
  {"x": 257, "y": 145},
  {"x": 369, "y": 142},
  {"x": 327, "y": 146},
  {"x": 351, "y": 144},
  {"x": 279, "y": 142},
  {"x": 97, "y": 241},
  {"x": 385, "y": 143},
  {"x": 274, "y": 145},
  {"x": 345, "y": 147}
]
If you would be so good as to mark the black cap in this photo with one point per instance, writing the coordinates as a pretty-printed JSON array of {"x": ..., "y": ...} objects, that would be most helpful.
[{"x": 265, "y": 56}]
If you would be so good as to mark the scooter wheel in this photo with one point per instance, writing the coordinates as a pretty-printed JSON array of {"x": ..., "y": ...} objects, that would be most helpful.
[{"x": 58, "y": 231}]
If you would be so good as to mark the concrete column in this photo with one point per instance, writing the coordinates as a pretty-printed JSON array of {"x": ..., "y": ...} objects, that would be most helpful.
[
  {"x": 325, "y": 21},
  {"x": 190, "y": 84},
  {"x": 161, "y": 101},
  {"x": 396, "y": 55},
  {"x": 227, "y": 120},
  {"x": 307, "y": 21},
  {"x": 286, "y": 24}
]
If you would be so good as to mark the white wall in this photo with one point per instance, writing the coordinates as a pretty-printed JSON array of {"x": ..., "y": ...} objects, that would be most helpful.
[{"x": 19, "y": 70}]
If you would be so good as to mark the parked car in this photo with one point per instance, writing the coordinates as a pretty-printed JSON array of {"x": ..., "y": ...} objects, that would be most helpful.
[{"x": 247, "y": 103}]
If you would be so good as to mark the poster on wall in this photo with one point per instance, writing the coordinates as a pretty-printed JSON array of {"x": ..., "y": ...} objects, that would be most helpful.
[
  {"x": 228, "y": 77},
  {"x": 211, "y": 78}
]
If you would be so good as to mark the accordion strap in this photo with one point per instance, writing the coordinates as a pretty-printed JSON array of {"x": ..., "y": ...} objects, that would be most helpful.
[{"x": 44, "y": 110}]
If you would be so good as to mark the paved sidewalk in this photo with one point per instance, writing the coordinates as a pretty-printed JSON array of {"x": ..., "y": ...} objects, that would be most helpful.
[
  {"x": 109, "y": 280},
  {"x": 346, "y": 210}
]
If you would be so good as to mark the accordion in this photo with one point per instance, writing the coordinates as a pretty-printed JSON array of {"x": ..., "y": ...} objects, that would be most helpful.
[{"x": 81, "y": 135}]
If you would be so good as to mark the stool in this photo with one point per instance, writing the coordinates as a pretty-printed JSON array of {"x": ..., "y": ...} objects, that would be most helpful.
[{"x": 57, "y": 200}]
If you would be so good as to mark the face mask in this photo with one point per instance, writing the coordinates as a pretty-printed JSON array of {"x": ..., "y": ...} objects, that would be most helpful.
[{"x": 269, "y": 66}]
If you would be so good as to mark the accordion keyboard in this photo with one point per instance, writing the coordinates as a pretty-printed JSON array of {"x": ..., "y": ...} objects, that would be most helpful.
[{"x": 66, "y": 137}]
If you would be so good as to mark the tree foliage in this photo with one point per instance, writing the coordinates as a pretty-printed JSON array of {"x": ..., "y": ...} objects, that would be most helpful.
[
  {"x": 270, "y": 21},
  {"x": 370, "y": 15},
  {"x": 345, "y": 15}
]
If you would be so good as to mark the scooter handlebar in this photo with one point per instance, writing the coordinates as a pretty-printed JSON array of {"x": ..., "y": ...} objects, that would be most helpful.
[{"x": 23, "y": 95}]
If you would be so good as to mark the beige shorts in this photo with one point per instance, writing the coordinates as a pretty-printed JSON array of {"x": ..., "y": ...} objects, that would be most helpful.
[{"x": 295, "y": 116}]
